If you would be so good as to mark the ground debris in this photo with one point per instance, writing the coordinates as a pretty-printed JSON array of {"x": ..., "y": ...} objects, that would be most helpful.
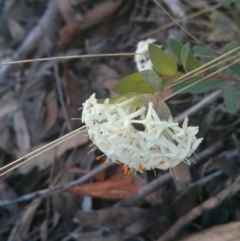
[{"x": 65, "y": 193}]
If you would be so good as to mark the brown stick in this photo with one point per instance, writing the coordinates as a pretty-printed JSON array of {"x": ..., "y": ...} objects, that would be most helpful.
[
  {"x": 53, "y": 190},
  {"x": 197, "y": 211}
]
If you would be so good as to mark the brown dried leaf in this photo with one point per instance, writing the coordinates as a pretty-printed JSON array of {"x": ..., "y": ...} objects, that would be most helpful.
[
  {"x": 7, "y": 107},
  {"x": 96, "y": 236},
  {"x": 118, "y": 187},
  {"x": 51, "y": 117},
  {"x": 110, "y": 78},
  {"x": 223, "y": 29},
  {"x": 66, "y": 10},
  {"x": 46, "y": 159},
  {"x": 93, "y": 17},
  {"x": 182, "y": 176},
  {"x": 4, "y": 139},
  {"x": 108, "y": 216},
  {"x": 21, "y": 131},
  {"x": 77, "y": 94},
  {"x": 225, "y": 232},
  {"x": 15, "y": 29},
  {"x": 43, "y": 230},
  {"x": 9, "y": 214},
  {"x": 23, "y": 225}
]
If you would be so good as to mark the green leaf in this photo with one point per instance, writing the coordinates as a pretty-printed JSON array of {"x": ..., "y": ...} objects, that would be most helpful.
[
  {"x": 225, "y": 3},
  {"x": 132, "y": 83},
  {"x": 230, "y": 46},
  {"x": 184, "y": 55},
  {"x": 159, "y": 106},
  {"x": 161, "y": 61},
  {"x": 171, "y": 79},
  {"x": 201, "y": 87},
  {"x": 237, "y": 90},
  {"x": 234, "y": 69},
  {"x": 230, "y": 97},
  {"x": 205, "y": 54},
  {"x": 152, "y": 79},
  {"x": 176, "y": 47},
  {"x": 191, "y": 62}
]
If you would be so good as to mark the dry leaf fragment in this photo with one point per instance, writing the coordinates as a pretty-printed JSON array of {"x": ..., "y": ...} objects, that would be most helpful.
[
  {"x": 51, "y": 117},
  {"x": 110, "y": 78},
  {"x": 116, "y": 218},
  {"x": 66, "y": 10},
  {"x": 77, "y": 94},
  {"x": 4, "y": 138},
  {"x": 223, "y": 29},
  {"x": 118, "y": 187},
  {"x": 15, "y": 29},
  {"x": 91, "y": 18},
  {"x": 225, "y": 232},
  {"x": 9, "y": 214},
  {"x": 7, "y": 107},
  {"x": 21, "y": 131},
  {"x": 23, "y": 225},
  {"x": 46, "y": 159}
]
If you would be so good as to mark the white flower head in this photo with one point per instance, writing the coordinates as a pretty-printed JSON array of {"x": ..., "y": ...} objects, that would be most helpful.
[
  {"x": 129, "y": 132},
  {"x": 142, "y": 61}
]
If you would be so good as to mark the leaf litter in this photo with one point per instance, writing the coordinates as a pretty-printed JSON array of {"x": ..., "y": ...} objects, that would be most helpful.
[{"x": 33, "y": 101}]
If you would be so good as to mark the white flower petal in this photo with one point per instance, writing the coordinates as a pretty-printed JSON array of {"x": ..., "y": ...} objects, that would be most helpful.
[{"x": 138, "y": 138}]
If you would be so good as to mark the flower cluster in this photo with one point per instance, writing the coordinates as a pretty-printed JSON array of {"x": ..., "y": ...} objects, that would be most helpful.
[
  {"x": 142, "y": 61},
  {"x": 129, "y": 132}
]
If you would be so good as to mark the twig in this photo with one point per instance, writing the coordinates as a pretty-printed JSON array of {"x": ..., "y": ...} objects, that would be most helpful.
[
  {"x": 205, "y": 180},
  {"x": 211, "y": 203},
  {"x": 179, "y": 20},
  {"x": 152, "y": 186},
  {"x": 55, "y": 189},
  {"x": 205, "y": 101},
  {"x": 144, "y": 191},
  {"x": 71, "y": 57},
  {"x": 60, "y": 95},
  {"x": 180, "y": 26}
]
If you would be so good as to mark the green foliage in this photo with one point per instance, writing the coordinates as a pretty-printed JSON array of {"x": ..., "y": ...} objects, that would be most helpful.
[
  {"x": 201, "y": 87},
  {"x": 230, "y": 97},
  {"x": 161, "y": 61},
  {"x": 230, "y": 93},
  {"x": 184, "y": 55},
  {"x": 165, "y": 74},
  {"x": 132, "y": 83},
  {"x": 205, "y": 54},
  {"x": 230, "y": 46},
  {"x": 237, "y": 91},
  {"x": 152, "y": 79},
  {"x": 182, "y": 52}
]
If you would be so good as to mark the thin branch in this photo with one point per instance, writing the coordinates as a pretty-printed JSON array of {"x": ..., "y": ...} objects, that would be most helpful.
[
  {"x": 206, "y": 77},
  {"x": 205, "y": 101},
  {"x": 39, "y": 151},
  {"x": 60, "y": 96},
  {"x": 56, "y": 189},
  {"x": 144, "y": 191},
  {"x": 209, "y": 204},
  {"x": 180, "y": 26},
  {"x": 59, "y": 58},
  {"x": 160, "y": 181},
  {"x": 179, "y": 20}
]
